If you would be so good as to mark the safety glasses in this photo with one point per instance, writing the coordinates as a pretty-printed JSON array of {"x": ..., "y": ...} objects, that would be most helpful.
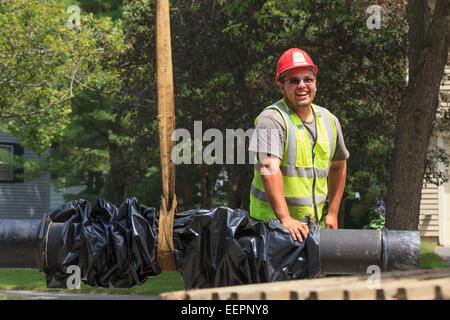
[{"x": 296, "y": 81}]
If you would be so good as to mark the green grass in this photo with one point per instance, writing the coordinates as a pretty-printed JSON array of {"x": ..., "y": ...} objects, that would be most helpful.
[
  {"x": 430, "y": 259},
  {"x": 11, "y": 279},
  {"x": 10, "y": 298}
]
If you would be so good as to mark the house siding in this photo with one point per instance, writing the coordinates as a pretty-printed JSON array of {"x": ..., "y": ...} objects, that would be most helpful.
[
  {"x": 444, "y": 199},
  {"x": 57, "y": 195},
  {"x": 28, "y": 199},
  {"x": 429, "y": 211},
  {"x": 434, "y": 220}
]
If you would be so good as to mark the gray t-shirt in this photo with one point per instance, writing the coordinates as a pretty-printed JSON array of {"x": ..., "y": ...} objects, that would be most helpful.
[{"x": 271, "y": 121}]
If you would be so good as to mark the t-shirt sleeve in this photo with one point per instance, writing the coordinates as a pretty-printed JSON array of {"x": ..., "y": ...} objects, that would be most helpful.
[
  {"x": 269, "y": 135},
  {"x": 341, "y": 152}
]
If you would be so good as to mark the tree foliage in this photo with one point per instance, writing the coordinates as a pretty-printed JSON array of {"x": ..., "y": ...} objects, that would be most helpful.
[
  {"x": 113, "y": 135},
  {"x": 43, "y": 65}
]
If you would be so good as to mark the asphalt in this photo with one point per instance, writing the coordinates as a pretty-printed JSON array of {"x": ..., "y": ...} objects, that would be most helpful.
[
  {"x": 444, "y": 253},
  {"x": 48, "y": 295}
]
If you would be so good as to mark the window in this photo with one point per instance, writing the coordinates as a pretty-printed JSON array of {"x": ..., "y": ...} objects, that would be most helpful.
[{"x": 7, "y": 152}]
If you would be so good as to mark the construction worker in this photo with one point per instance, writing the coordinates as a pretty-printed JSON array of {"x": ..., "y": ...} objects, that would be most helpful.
[{"x": 304, "y": 163}]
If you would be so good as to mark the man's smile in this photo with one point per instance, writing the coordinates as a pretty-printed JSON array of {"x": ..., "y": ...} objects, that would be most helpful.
[{"x": 302, "y": 94}]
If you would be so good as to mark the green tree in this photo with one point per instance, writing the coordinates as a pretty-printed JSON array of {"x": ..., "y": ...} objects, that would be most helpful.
[
  {"x": 230, "y": 80},
  {"x": 81, "y": 156},
  {"x": 429, "y": 40},
  {"x": 100, "y": 8},
  {"x": 111, "y": 144},
  {"x": 43, "y": 65}
]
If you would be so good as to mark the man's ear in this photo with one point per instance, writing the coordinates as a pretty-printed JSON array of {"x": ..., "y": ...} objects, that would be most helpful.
[{"x": 280, "y": 85}]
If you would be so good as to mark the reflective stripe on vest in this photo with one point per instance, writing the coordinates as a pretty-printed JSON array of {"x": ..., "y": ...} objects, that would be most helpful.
[{"x": 304, "y": 178}]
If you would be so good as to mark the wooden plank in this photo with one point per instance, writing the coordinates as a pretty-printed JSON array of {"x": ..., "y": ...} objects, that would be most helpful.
[
  {"x": 415, "y": 284},
  {"x": 430, "y": 196},
  {"x": 166, "y": 126},
  {"x": 165, "y": 98},
  {"x": 424, "y": 212},
  {"x": 389, "y": 288},
  {"x": 428, "y": 201},
  {"x": 414, "y": 290},
  {"x": 428, "y": 206},
  {"x": 428, "y": 223},
  {"x": 433, "y": 212},
  {"x": 427, "y": 233},
  {"x": 429, "y": 229},
  {"x": 427, "y": 211},
  {"x": 430, "y": 189},
  {"x": 434, "y": 215},
  {"x": 426, "y": 215},
  {"x": 432, "y": 222}
]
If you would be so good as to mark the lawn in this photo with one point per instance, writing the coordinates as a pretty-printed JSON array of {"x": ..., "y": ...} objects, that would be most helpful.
[
  {"x": 430, "y": 259},
  {"x": 11, "y": 279}
]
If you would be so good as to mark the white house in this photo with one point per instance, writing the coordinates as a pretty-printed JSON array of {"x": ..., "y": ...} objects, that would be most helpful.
[
  {"x": 19, "y": 198},
  {"x": 434, "y": 223}
]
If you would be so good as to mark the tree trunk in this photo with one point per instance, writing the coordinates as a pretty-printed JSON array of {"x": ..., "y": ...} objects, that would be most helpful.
[
  {"x": 119, "y": 181},
  {"x": 184, "y": 188},
  {"x": 429, "y": 45},
  {"x": 208, "y": 182},
  {"x": 240, "y": 179},
  {"x": 234, "y": 193}
]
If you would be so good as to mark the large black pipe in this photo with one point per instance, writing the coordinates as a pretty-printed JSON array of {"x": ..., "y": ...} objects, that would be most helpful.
[
  {"x": 20, "y": 244},
  {"x": 346, "y": 251},
  {"x": 34, "y": 244}
]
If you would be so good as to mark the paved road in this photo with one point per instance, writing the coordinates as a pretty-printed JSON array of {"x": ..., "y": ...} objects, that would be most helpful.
[
  {"x": 69, "y": 296},
  {"x": 444, "y": 252}
]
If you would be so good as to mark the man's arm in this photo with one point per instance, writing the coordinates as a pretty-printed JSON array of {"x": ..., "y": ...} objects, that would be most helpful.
[
  {"x": 272, "y": 180},
  {"x": 336, "y": 185}
]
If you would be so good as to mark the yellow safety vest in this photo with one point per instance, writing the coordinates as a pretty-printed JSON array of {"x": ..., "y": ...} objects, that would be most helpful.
[{"x": 305, "y": 169}]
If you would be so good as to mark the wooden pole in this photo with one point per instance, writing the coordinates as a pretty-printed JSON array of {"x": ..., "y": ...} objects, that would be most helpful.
[{"x": 166, "y": 125}]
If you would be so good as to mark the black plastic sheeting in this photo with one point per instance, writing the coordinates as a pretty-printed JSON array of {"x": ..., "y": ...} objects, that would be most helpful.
[{"x": 213, "y": 248}]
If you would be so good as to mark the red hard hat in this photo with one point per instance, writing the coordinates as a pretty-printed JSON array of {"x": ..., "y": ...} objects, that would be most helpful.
[{"x": 294, "y": 58}]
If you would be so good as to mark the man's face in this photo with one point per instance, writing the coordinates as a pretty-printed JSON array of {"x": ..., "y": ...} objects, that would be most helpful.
[{"x": 298, "y": 87}]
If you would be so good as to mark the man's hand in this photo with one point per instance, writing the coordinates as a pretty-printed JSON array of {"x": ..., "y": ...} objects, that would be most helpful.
[
  {"x": 297, "y": 229},
  {"x": 331, "y": 221}
]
